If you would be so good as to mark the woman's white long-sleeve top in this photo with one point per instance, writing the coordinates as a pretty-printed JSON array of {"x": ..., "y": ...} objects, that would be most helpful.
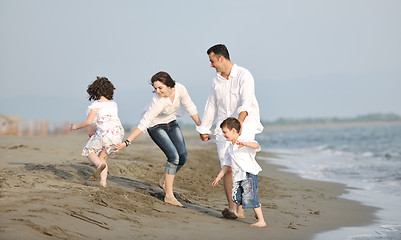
[{"x": 162, "y": 110}]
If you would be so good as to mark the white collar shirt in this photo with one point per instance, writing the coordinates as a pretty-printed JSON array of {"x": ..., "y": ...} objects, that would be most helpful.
[{"x": 229, "y": 97}]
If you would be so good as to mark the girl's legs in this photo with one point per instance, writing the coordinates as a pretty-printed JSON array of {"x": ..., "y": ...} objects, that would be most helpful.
[
  {"x": 100, "y": 164},
  {"x": 103, "y": 176}
]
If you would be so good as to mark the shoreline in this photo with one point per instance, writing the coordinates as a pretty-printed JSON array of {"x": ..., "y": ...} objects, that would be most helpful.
[{"x": 45, "y": 194}]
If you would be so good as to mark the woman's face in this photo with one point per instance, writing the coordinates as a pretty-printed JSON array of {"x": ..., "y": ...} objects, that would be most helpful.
[{"x": 162, "y": 89}]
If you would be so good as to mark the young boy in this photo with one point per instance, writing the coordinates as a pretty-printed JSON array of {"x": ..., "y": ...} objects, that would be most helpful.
[{"x": 240, "y": 156}]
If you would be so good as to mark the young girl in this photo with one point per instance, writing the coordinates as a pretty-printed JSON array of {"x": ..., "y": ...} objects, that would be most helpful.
[
  {"x": 160, "y": 122},
  {"x": 109, "y": 131}
]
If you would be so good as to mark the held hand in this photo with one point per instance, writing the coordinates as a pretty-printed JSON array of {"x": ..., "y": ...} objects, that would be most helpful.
[
  {"x": 119, "y": 147},
  {"x": 205, "y": 137}
]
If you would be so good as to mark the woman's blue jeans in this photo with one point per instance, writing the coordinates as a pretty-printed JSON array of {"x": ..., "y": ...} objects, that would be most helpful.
[{"x": 169, "y": 138}]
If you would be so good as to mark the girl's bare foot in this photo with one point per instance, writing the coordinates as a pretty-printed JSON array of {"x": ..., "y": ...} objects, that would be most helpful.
[
  {"x": 103, "y": 184},
  {"x": 172, "y": 201},
  {"x": 96, "y": 174},
  {"x": 259, "y": 224}
]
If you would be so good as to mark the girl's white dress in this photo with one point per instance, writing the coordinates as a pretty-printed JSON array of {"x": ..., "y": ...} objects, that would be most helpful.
[{"x": 109, "y": 130}]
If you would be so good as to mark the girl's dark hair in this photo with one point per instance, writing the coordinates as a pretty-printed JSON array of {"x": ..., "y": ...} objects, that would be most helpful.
[
  {"x": 164, "y": 78},
  {"x": 101, "y": 87},
  {"x": 220, "y": 50},
  {"x": 231, "y": 123}
]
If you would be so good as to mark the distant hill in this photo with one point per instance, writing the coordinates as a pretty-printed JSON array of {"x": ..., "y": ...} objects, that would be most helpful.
[{"x": 367, "y": 118}]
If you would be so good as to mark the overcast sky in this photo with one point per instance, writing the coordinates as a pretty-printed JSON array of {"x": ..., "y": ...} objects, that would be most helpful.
[{"x": 309, "y": 58}]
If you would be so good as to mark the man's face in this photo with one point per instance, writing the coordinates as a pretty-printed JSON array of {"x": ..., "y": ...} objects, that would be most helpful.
[{"x": 215, "y": 61}]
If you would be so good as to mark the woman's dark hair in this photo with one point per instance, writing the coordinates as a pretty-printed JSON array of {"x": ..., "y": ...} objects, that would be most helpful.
[
  {"x": 100, "y": 87},
  {"x": 164, "y": 78},
  {"x": 231, "y": 123},
  {"x": 219, "y": 49}
]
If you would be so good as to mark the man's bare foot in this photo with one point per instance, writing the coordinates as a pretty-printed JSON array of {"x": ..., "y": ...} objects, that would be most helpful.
[
  {"x": 173, "y": 201},
  {"x": 96, "y": 174},
  {"x": 229, "y": 214},
  {"x": 259, "y": 224},
  {"x": 103, "y": 184}
]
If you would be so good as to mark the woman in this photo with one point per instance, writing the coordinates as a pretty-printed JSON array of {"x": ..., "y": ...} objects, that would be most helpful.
[{"x": 160, "y": 122}]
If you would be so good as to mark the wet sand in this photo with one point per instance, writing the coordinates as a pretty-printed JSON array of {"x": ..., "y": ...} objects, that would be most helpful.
[{"x": 46, "y": 194}]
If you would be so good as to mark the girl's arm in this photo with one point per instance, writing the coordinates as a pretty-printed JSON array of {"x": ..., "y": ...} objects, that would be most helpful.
[
  {"x": 87, "y": 122},
  {"x": 223, "y": 171},
  {"x": 253, "y": 145}
]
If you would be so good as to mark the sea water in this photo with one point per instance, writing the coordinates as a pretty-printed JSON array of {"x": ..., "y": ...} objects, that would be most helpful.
[{"x": 365, "y": 158}]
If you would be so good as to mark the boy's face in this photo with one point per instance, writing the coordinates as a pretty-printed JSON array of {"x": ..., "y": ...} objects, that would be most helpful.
[{"x": 230, "y": 135}]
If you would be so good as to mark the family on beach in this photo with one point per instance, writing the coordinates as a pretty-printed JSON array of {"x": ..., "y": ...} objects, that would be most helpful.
[{"x": 231, "y": 104}]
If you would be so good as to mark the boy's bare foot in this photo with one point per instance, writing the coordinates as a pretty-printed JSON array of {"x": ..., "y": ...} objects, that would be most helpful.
[
  {"x": 259, "y": 225},
  {"x": 229, "y": 214},
  {"x": 103, "y": 184},
  {"x": 96, "y": 174},
  {"x": 240, "y": 214},
  {"x": 173, "y": 201},
  {"x": 256, "y": 216}
]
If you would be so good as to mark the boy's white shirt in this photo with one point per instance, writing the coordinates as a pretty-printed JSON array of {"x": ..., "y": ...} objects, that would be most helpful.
[{"x": 242, "y": 160}]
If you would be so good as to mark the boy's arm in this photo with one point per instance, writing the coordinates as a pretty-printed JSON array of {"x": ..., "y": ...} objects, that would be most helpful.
[
  {"x": 253, "y": 145},
  {"x": 220, "y": 175}
]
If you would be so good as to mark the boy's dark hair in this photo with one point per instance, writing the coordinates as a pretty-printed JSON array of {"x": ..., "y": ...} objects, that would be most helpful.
[
  {"x": 219, "y": 49},
  {"x": 101, "y": 87},
  {"x": 164, "y": 78},
  {"x": 231, "y": 123}
]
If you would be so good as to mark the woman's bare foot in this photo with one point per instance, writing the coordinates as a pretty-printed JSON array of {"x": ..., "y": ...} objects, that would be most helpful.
[
  {"x": 162, "y": 183},
  {"x": 172, "y": 201},
  {"x": 259, "y": 224},
  {"x": 96, "y": 174}
]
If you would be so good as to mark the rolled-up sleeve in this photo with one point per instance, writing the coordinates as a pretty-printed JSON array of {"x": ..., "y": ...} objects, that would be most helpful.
[
  {"x": 247, "y": 93},
  {"x": 187, "y": 102},
  {"x": 208, "y": 114},
  {"x": 154, "y": 109}
]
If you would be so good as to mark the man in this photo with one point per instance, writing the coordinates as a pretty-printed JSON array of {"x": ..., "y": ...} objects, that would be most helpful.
[{"x": 232, "y": 95}]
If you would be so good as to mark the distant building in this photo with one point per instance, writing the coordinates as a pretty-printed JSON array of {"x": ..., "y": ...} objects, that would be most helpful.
[{"x": 10, "y": 125}]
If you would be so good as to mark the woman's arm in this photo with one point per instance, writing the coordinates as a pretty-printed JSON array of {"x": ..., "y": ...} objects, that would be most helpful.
[
  {"x": 196, "y": 119},
  {"x": 130, "y": 139},
  {"x": 87, "y": 122}
]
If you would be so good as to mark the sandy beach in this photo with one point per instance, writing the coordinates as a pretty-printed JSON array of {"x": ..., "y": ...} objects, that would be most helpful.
[{"x": 46, "y": 194}]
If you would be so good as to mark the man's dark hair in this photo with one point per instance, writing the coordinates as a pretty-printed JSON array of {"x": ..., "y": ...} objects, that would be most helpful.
[{"x": 219, "y": 49}]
